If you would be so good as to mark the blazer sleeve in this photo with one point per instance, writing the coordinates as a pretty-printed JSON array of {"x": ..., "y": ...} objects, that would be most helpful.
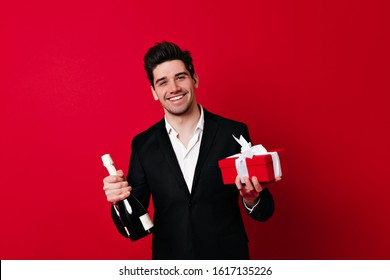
[{"x": 264, "y": 210}]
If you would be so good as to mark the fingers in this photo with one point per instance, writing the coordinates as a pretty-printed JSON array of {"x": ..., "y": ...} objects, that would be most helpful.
[
  {"x": 238, "y": 183},
  {"x": 119, "y": 177},
  {"x": 114, "y": 199},
  {"x": 246, "y": 189},
  {"x": 248, "y": 185},
  {"x": 256, "y": 184},
  {"x": 116, "y": 187},
  {"x": 115, "y": 193}
]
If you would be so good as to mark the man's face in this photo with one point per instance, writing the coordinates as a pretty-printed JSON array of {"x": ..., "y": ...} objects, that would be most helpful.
[{"x": 174, "y": 87}]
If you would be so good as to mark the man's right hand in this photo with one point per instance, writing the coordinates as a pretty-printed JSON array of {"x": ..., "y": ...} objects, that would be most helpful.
[{"x": 116, "y": 187}]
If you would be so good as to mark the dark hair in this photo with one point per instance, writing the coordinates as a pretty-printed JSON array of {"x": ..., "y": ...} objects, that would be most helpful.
[{"x": 166, "y": 51}]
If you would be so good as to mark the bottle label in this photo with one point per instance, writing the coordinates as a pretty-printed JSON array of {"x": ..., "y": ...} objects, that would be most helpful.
[{"x": 146, "y": 221}]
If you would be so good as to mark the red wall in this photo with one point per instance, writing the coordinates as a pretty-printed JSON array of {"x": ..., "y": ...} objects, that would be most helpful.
[{"x": 310, "y": 76}]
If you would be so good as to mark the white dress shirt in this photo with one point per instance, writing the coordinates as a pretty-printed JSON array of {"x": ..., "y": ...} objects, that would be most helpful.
[{"x": 187, "y": 156}]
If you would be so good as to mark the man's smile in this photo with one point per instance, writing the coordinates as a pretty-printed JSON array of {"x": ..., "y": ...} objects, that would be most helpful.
[{"x": 176, "y": 98}]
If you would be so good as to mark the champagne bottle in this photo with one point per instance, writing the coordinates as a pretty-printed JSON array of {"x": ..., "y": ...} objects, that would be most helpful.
[{"x": 133, "y": 215}]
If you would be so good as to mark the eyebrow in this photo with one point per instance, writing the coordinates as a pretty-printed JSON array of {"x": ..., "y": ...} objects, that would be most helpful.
[
  {"x": 181, "y": 73},
  {"x": 176, "y": 75}
]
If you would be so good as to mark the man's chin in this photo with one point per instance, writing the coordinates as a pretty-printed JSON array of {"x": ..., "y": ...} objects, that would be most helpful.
[{"x": 180, "y": 111}]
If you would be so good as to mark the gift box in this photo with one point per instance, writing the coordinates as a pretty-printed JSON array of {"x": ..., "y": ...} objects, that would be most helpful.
[{"x": 253, "y": 161}]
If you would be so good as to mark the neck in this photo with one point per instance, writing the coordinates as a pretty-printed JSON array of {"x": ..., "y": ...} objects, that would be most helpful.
[{"x": 185, "y": 123}]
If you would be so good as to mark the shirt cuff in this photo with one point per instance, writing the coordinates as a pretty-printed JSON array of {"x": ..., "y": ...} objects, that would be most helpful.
[{"x": 250, "y": 209}]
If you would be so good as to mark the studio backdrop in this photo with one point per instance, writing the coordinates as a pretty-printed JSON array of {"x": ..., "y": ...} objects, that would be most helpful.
[{"x": 307, "y": 76}]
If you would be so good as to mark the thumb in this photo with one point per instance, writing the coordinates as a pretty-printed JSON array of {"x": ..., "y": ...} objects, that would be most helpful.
[{"x": 120, "y": 173}]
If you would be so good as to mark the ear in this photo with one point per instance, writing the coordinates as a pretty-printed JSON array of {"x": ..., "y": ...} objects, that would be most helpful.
[
  {"x": 196, "y": 79},
  {"x": 154, "y": 93}
]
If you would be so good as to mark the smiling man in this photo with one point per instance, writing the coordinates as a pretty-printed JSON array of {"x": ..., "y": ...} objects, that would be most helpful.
[{"x": 175, "y": 161}]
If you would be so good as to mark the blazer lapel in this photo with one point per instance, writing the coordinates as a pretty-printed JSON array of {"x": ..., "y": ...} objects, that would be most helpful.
[
  {"x": 170, "y": 156},
  {"x": 209, "y": 131}
]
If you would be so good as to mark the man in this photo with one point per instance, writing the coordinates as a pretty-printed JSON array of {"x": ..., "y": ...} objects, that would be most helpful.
[{"x": 175, "y": 161}]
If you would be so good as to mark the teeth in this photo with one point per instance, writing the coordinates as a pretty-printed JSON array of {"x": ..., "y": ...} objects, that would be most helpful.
[{"x": 176, "y": 98}]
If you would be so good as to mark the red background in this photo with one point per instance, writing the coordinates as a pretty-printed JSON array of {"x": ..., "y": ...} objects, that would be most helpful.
[{"x": 310, "y": 76}]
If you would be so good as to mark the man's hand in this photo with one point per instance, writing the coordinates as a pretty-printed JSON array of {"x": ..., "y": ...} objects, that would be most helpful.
[
  {"x": 250, "y": 190},
  {"x": 116, "y": 187}
]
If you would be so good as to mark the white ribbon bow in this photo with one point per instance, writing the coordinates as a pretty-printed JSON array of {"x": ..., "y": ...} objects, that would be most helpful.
[{"x": 247, "y": 151}]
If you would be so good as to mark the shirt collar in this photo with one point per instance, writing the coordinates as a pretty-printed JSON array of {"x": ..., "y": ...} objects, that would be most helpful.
[{"x": 199, "y": 125}]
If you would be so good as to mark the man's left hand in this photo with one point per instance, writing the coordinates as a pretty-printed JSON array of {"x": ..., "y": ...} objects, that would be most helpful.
[{"x": 250, "y": 190}]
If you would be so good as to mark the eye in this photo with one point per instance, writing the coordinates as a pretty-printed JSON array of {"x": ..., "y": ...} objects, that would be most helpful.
[
  {"x": 162, "y": 83},
  {"x": 181, "y": 77}
]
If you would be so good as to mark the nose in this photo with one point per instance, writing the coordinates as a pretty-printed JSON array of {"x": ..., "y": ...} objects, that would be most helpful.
[{"x": 173, "y": 87}]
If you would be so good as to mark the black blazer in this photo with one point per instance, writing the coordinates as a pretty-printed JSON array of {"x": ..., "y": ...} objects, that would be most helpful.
[{"x": 203, "y": 224}]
